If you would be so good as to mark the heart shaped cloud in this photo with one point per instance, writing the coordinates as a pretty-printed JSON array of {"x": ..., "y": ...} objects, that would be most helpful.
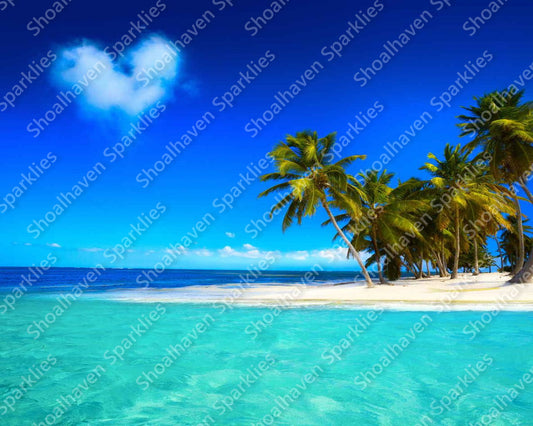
[{"x": 145, "y": 75}]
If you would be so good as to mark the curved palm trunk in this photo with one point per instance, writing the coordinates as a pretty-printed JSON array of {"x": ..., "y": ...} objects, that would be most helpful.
[
  {"x": 526, "y": 190},
  {"x": 411, "y": 264},
  {"x": 409, "y": 267},
  {"x": 443, "y": 271},
  {"x": 421, "y": 268},
  {"x": 436, "y": 263},
  {"x": 444, "y": 260},
  {"x": 499, "y": 251},
  {"x": 476, "y": 260},
  {"x": 349, "y": 244},
  {"x": 378, "y": 257},
  {"x": 457, "y": 245},
  {"x": 417, "y": 270},
  {"x": 525, "y": 274},
  {"x": 440, "y": 269},
  {"x": 521, "y": 249}
]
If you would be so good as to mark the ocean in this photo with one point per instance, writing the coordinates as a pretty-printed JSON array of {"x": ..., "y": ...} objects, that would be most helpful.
[{"x": 69, "y": 359}]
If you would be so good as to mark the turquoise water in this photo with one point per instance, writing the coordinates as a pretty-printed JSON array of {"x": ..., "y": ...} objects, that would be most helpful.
[{"x": 291, "y": 368}]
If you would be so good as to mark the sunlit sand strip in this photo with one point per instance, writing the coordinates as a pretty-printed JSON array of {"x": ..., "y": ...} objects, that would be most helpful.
[{"x": 484, "y": 292}]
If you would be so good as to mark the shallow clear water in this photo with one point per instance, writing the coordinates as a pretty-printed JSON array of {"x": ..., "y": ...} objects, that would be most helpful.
[{"x": 292, "y": 367}]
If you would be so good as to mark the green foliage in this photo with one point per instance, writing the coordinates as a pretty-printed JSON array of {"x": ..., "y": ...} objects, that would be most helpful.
[{"x": 445, "y": 219}]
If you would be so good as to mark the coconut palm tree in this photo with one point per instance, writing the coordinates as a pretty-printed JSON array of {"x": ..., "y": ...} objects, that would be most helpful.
[
  {"x": 483, "y": 221},
  {"x": 439, "y": 240},
  {"x": 503, "y": 127},
  {"x": 310, "y": 179},
  {"x": 460, "y": 186},
  {"x": 385, "y": 216},
  {"x": 509, "y": 241}
]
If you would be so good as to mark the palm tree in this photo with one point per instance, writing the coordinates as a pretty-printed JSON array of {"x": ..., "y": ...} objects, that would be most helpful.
[
  {"x": 389, "y": 215},
  {"x": 459, "y": 186},
  {"x": 503, "y": 127},
  {"x": 484, "y": 223},
  {"x": 304, "y": 164},
  {"x": 509, "y": 241}
]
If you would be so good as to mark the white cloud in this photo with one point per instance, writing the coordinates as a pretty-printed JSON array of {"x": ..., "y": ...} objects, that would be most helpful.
[
  {"x": 298, "y": 255},
  {"x": 177, "y": 252},
  {"x": 92, "y": 249},
  {"x": 53, "y": 245},
  {"x": 249, "y": 252},
  {"x": 230, "y": 235},
  {"x": 227, "y": 251},
  {"x": 202, "y": 252},
  {"x": 332, "y": 254},
  {"x": 145, "y": 75}
]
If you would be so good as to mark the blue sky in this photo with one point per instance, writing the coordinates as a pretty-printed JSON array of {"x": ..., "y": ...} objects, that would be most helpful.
[{"x": 222, "y": 44}]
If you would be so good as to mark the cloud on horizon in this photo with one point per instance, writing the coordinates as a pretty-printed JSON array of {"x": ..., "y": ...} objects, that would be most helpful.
[{"x": 145, "y": 75}]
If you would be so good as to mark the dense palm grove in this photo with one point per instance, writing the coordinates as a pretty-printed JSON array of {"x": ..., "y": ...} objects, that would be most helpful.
[{"x": 443, "y": 223}]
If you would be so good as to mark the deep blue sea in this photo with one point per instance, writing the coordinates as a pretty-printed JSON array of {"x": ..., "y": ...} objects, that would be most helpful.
[
  {"x": 94, "y": 361},
  {"x": 63, "y": 279}
]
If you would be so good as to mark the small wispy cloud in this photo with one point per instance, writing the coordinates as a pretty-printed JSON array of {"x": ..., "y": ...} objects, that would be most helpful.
[
  {"x": 248, "y": 251},
  {"x": 331, "y": 254},
  {"x": 92, "y": 249},
  {"x": 55, "y": 245},
  {"x": 202, "y": 252},
  {"x": 230, "y": 235},
  {"x": 298, "y": 255},
  {"x": 145, "y": 75}
]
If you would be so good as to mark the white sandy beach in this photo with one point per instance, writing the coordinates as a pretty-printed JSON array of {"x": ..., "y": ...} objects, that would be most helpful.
[{"x": 483, "y": 292}]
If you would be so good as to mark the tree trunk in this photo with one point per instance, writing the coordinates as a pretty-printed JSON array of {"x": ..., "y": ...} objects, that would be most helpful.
[
  {"x": 525, "y": 274},
  {"x": 499, "y": 251},
  {"x": 349, "y": 244},
  {"x": 408, "y": 266},
  {"x": 418, "y": 270},
  {"x": 427, "y": 268},
  {"x": 440, "y": 268},
  {"x": 444, "y": 268},
  {"x": 521, "y": 249},
  {"x": 437, "y": 263},
  {"x": 476, "y": 260},
  {"x": 409, "y": 262},
  {"x": 457, "y": 245},
  {"x": 526, "y": 190},
  {"x": 443, "y": 260},
  {"x": 378, "y": 257}
]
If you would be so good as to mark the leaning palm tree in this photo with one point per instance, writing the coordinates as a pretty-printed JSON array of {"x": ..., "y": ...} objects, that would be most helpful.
[
  {"x": 503, "y": 127},
  {"x": 459, "y": 186},
  {"x": 509, "y": 241},
  {"x": 311, "y": 179},
  {"x": 388, "y": 216}
]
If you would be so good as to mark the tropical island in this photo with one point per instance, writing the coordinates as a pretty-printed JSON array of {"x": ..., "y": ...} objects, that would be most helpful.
[{"x": 419, "y": 234}]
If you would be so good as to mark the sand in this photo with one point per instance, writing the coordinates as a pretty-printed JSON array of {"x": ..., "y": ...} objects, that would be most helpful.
[{"x": 467, "y": 292}]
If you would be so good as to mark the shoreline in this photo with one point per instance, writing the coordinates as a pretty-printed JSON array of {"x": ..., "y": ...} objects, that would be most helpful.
[{"x": 487, "y": 291}]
